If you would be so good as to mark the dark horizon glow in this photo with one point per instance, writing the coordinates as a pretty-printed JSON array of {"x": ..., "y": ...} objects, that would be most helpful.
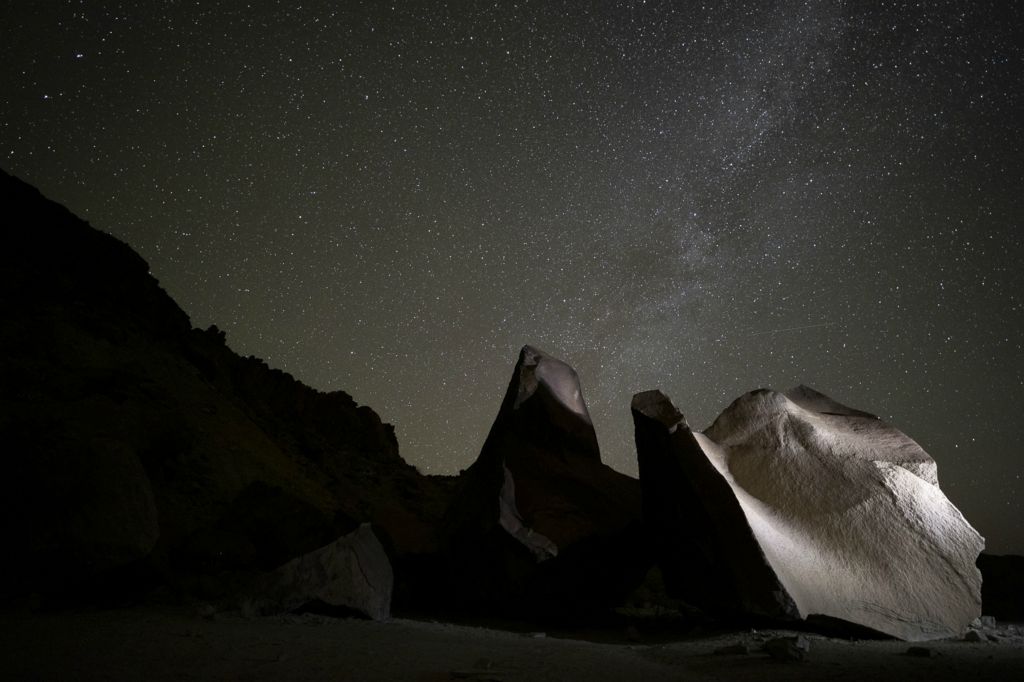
[{"x": 392, "y": 200}]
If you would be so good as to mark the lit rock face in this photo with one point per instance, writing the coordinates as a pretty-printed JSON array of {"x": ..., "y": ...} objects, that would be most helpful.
[
  {"x": 792, "y": 505},
  {"x": 352, "y": 572}
]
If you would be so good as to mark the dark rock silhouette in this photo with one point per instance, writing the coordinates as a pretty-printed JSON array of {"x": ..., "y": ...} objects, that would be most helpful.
[
  {"x": 1002, "y": 586},
  {"x": 538, "y": 520},
  {"x": 133, "y": 442},
  {"x": 792, "y": 505},
  {"x": 705, "y": 546}
]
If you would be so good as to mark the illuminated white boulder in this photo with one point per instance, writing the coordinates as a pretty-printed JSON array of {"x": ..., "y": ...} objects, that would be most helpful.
[{"x": 792, "y": 505}]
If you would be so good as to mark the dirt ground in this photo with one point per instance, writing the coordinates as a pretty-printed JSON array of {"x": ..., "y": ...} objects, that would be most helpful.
[{"x": 180, "y": 644}]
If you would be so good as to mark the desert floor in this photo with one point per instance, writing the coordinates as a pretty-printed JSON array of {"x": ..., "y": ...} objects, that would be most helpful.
[{"x": 158, "y": 643}]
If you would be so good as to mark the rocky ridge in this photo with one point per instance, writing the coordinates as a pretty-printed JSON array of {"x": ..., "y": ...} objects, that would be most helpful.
[{"x": 141, "y": 449}]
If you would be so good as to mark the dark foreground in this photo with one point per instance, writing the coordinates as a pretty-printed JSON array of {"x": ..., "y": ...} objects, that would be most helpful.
[{"x": 176, "y": 644}]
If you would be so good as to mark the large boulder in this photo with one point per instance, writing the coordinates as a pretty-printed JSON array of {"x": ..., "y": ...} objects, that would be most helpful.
[
  {"x": 352, "y": 573},
  {"x": 792, "y": 505},
  {"x": 538, "y": 511}
]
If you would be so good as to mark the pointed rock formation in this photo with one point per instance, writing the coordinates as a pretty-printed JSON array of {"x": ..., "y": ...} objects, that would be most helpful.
[
  {"x": 540, "y": 468},
  {"x": 539, "y": 484},
  {"x": 793, "y": 505}
]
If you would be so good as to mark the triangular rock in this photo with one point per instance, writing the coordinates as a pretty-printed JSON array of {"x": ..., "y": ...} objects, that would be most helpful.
[
  {"x": 538, "y": 504},
  {"x": 540, "y": 470}
]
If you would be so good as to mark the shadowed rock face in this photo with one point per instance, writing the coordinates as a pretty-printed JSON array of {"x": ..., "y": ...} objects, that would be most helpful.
[
  {"x": 794, "y": 505},
  {"x": 539, "y": 473},
  {"x": 538, "y": 493},
  {"x": 707, "y": 550},
  {"x": 129, "y": 436}
]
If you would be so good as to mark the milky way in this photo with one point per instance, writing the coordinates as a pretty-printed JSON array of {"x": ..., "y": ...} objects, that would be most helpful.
[{"x": 392, "y": 199}]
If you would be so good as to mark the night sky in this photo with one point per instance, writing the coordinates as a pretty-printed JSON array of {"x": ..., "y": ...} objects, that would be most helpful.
[{"x": 707, "y": 198}]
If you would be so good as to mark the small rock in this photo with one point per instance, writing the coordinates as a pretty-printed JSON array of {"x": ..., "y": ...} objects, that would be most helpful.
[
  {"x": 788, "y": 649},
  {"x": 988, "y": 621},
  {"x": 207, "y": 612},
  {"x": 733, "y": 649},
  {"x": 973, "y": 636},
  {"x": 992, "y": 638},
  {"x": 248, "y": 609},
  {"x": 483, "y": 671},
  {"x": 920, "y": 652}
]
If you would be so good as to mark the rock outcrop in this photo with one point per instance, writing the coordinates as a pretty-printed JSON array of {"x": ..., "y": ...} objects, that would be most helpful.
[
  {"x": 538, "y": 502},
  {"x": 352, "y": 573},
  {"x": 131, "y": 439},
  {"x": 792, "y": 505}
]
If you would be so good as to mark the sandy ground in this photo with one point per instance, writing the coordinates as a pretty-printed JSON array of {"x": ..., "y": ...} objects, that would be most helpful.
[{"x": 177, "y": 644}]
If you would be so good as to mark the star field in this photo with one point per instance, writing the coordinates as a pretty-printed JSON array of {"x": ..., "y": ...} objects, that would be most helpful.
[{"x": 391, "y": 199}]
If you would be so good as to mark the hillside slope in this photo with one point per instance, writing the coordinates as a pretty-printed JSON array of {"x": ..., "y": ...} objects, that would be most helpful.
[{"x": 133, "y": 442}]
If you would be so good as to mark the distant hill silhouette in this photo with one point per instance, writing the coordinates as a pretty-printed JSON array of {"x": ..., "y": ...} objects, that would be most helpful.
[{"x": 136, "y": 448}]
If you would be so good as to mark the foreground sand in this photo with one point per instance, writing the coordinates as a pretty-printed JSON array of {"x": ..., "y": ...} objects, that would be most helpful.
[{"x": 177, "y": 644}]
